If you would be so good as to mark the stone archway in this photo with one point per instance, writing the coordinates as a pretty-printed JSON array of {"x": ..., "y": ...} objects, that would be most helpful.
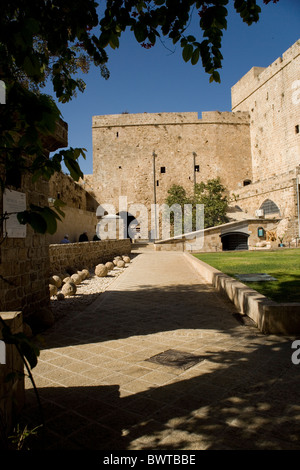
[
  {"x": 129, "y": 222},
  {"x": 234, "y": 241}
]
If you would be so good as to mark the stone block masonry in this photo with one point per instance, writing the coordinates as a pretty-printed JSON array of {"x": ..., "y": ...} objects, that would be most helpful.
[
  {"x": 75, "y": 222},
  {"x": 187, "y": 150},
  {"x": 85, "y": 254},
  {"x": 24, "y": 262},
  {"x": 271, "y": 96}
]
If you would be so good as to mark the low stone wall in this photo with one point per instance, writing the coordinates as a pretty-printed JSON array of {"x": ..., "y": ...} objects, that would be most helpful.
[
  {"x": 270, "y": 317},
  {"x": 86, "y": 254},
  {"x": 211, "y": 241},
  {"x": 12, "y": 391}
]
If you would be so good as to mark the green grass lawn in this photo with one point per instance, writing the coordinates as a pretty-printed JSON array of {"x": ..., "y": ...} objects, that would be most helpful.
[{"x": 284, "y": 265}]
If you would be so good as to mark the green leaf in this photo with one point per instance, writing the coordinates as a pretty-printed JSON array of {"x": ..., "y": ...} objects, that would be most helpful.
[
  {"x": 104, "y": 39},
  {"x": 140, "y": 32},
  {"x": 114, "y": 41},
  {"x": 50, "y": 218},
  {"x": 74, "y": 169},
  {"x": 187, "y": 52},
  {"x": 195, "y": 56},
  {"x": 49, "y": 215},
  {"x": 35, "y": 220}
]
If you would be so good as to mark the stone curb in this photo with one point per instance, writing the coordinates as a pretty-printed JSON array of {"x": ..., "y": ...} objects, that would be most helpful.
[{"x": 270, "y": 317}]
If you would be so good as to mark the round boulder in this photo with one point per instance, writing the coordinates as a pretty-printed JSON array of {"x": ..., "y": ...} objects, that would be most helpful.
[
  {"x": 101, "y": 270},
  {"x": 60, "y": 296},
  {"x": 52, "y": 289},
  {"x": 121, "y": 263},
  {"x": 126, "y": 259},
  {"x": 69, "y": 289},
  {"x": 110, "y": 266},
  {"x": 67, "y": 279},
  {"x": 76, "y": 278},
  {"x": 86, "y": 273},
  {"x": 82, "y": 275},
  {"x": 55, "y": 280}
]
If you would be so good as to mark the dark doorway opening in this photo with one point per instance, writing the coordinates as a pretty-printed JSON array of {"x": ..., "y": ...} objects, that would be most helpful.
[
  {"x": 234, "y": 241},
  {"x": 129, "y": 222}
]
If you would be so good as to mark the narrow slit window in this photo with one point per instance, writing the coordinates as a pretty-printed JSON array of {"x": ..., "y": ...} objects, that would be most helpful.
[
  {"x": 297, "y": 130},
  {"x": 162, "y": 169},
  {"x": 197, "y": 168},
  {"x": 157, "y": 183}
]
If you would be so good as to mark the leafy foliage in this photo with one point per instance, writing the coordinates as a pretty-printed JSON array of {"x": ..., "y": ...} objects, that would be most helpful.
[
  {"x": 51, "y": 40},
  {"x": 210, "y": 194},
  {"x": 177, "y": 195},
  {"x": 20, "y": 437},
  {"x": 39, "y": 39},
  {"x": 153, "y": 19}
]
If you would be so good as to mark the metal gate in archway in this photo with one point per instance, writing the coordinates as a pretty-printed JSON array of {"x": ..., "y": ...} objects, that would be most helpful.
[{"x": 234, "y": 241}]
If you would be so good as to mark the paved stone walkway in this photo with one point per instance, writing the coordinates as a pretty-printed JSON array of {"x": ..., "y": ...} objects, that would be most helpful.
[{"x": 100, "y": 391}]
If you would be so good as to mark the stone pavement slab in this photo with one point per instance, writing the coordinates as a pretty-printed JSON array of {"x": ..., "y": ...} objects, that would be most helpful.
[{"x": 100, "y": 388}]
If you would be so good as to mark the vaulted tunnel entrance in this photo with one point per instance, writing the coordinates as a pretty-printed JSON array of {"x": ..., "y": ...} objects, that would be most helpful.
[{"x": 234, "y": 241}]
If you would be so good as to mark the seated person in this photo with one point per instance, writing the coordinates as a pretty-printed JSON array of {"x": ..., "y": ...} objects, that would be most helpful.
[
  {"x": 83, "y": 237},
  {"x": 65, "y": 239}
]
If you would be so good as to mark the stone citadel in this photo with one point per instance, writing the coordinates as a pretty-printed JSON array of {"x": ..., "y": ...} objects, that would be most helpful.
[{"x": 255, "y": 150}]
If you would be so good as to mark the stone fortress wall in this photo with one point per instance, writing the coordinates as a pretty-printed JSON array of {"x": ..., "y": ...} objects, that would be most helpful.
[
  {"x": 79, "y": 209},
  {"x": 255, "y": 149},
  {"x": 187, "y": 150},
  {"x": 271, "y": 96},
  {"x": 141, "y": 156}
]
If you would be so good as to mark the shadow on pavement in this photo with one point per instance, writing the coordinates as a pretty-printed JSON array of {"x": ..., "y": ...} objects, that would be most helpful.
[
  {"x": 143, "y": 311},
  {"x": 250, "y": 401}
]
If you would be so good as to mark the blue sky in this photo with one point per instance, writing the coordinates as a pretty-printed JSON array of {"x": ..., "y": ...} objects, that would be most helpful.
[{"x": 157, "y": 80}]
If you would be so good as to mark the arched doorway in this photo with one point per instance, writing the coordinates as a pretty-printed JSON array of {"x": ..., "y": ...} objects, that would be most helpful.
[
  {"x": 129, "y": 223},
  {"x": 234, "y": 241}
]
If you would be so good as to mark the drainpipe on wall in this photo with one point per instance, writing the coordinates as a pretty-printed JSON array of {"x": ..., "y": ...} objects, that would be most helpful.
[
  {"x": 298, "y": 209},
  {"x": 154, "y": 193}
]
